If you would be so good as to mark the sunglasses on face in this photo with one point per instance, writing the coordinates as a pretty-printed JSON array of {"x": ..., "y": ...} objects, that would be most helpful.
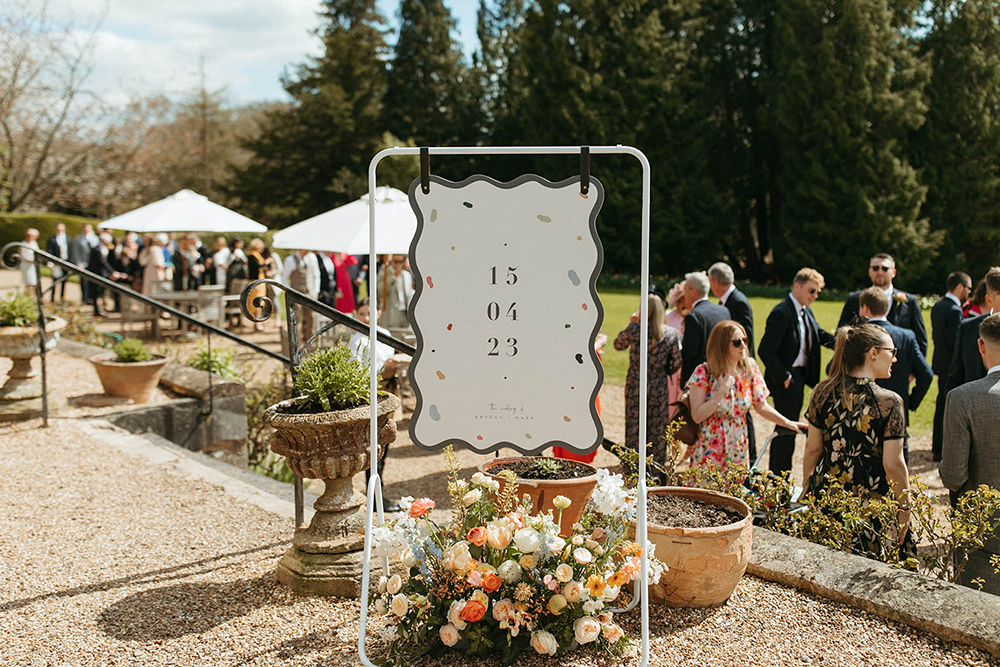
[
  {"x": 738, "y": 342},
  {"x": 886, "y": 269}
]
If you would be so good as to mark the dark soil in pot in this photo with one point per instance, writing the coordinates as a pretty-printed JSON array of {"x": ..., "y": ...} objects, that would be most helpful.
[
  {"x": 687, "y": 513},
  {"x": 529, "y": 469}
]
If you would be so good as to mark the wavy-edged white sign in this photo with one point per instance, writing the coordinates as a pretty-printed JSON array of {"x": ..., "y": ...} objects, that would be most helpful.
[{"x": 505, "y": 314}]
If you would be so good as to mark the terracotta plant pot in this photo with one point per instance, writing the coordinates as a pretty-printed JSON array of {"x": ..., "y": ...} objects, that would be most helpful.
[
  {"x": 542, "y": 491},
  {"x": 705, "y": 563},
  {"x": 135, "y": 380}
]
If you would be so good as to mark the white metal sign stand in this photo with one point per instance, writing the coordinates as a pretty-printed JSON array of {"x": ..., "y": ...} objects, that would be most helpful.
[{"x": 374, "y": 494}]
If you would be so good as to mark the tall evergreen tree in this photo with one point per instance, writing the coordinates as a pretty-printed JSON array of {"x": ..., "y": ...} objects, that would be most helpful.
[
  {"x": 314, "y": 154},
  {"x": 958, "y": 148},
  {"x": 430, "y": 98},
  {"x": 850, "y": 90}
]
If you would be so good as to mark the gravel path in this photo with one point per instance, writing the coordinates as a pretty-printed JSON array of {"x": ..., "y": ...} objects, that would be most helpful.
[{"x": 110, "y": 561}]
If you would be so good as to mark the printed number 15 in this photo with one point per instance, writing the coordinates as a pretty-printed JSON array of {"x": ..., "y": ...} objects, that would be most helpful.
[{"x": 511, "y": 276}]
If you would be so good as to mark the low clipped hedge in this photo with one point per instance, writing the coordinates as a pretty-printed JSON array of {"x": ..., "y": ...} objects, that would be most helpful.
[{"x": 14, "y": 225}]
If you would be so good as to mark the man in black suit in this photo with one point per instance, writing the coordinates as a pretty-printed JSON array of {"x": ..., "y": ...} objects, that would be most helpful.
[
  {"x": 790, "y": 352},
  {"x": 946, "y": 315},
  {"x": 966, "y": 362},
  {"x": 903, "y": 308},
  {"x": 698, "y": 324},
  {"x": 58, "y": 245},
  {"x": 872, "y": 306},
  {"x": 721, "y": 281}
]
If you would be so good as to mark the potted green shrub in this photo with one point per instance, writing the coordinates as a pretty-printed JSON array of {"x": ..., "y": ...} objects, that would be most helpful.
[
  {"x": 130, "y": 370},
  {"x": 20, "y": 340},
  {"x": 324, "y": 434}
]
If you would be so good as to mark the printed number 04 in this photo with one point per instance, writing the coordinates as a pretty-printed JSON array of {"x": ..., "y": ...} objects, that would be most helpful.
[{"x": 494, "y": 351}]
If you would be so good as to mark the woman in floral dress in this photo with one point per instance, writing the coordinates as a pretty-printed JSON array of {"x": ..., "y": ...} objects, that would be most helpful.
[
  {"x": 723, "y": 389},
  {"x": 856, "y": 427},
  {"x": 663, "y": 360}
]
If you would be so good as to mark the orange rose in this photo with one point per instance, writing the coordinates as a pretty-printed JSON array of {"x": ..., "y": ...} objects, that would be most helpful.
[
  {"x": 492, "y": 582},
  {"x": 477, "y": 536},
  {"x": 473, "y": 611}
]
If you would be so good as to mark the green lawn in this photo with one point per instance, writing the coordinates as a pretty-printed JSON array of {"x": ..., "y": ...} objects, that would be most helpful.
[{"x": 618, "y": 307}]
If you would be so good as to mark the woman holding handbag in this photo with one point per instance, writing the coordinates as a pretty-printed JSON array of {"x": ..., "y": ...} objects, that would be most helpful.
[
  {"x": 722, "y": 390},
  {"x": 663, "y": 360}
]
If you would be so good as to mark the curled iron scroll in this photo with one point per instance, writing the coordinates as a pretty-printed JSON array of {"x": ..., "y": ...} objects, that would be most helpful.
[{"x": 263, "y": 302}]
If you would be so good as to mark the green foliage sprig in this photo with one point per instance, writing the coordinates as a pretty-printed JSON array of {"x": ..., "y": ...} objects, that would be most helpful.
[
  {"x": 332, "y": 379},
  {"x": 131, "y": 351},
  {"x": 18, "y": 310},
  {"x": 219, "y": 361}
]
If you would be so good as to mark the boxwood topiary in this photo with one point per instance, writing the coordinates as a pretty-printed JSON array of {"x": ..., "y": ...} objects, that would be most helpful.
[
  {"x": 18, "y": 310},
  {"x": 130, "y": 351}
]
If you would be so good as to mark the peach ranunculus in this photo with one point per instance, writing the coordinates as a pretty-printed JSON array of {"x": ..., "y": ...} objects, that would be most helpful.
[
  {"x": 492, "y": 582},
  {"x": 457, "y": 559},
  {"x": 475, "y": 578},
  {"x": 564, "y": 573},
  {"x": 586, "y": 629},
  {"x": 516, "y": 519},
  {"x": 473, "y": 611},
  {"x": 421, "y": 507},
  {"x": 449, "y": 634},
  {"x": 455, "y": 614},
  {"x": 498, "y": 534},
  {"x": 573, "y": 591},
  {"x": 612, "y": 632},
  {"x": 503, "y": 610},
  {"x": 595, "y": 586},
  {"x": 477, "y": 536}
]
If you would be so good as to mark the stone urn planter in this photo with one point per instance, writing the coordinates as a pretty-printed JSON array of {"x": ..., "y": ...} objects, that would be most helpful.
[
  {"x": 20, "y": 345},
  {"x": 134, "y": 379},
  {"x": 705, "y": 564},
  {"x": 326, "y": 557},
  {"x": 542, "y": 491}
]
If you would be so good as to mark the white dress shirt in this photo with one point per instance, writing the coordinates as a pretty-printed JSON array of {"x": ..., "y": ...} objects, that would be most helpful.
[
  {"x": 311, "y": 267},
  {"x": 801, "y": 359},
  {"x": 725, "y": 295}
]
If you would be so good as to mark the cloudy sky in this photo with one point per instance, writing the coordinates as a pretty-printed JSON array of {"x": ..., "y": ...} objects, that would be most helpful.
[{"x": 156, "y": 46}]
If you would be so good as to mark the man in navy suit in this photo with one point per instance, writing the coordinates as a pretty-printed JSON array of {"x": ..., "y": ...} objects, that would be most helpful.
[
  {"x": 904, "y": 311},
  {"x": 946, "y": 315},
  {"x": 721, "y": 281},
  {"x": 698, "y": 324},
  {"x": 790, "y": 352},
  {"x": 872, "y": 305},
  {"x": 966, "y": 362}
]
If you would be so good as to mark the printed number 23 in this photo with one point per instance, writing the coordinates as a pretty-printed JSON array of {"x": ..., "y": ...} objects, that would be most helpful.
[{"x": 494, "y": 352}]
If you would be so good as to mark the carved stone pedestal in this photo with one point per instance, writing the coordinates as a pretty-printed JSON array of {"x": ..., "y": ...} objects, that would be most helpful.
[{"x": 20, "y": 396}]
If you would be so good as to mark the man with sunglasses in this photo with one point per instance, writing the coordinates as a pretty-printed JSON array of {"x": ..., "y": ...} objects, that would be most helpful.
[
  {"x": 903, "y": 308},
  {"x": 790, "y": 352},
  {"x": 872, "y": 305}
]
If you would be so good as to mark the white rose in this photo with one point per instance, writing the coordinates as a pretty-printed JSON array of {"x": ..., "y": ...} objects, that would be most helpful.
[
  {"x": 527, "y": 540},
  {"x": 380, "y": 607},
  {"x": 586, "y": 629},
  {"x": 544, "y": 642},
  {"x": 612, "y": 632},
  {"x": 582, "y": 555},
  {"x": 573, "y": 591},
  {"x": 564, "y": 573},
  {"x": 408, "y": 559},
  {"x": 509, "y": 571},
  {"x": 449, "y": 634},
  {"x": 472, "y": 497},
  {"x": 395, "y": 583},
  {"x": 399, "y": 605},
  {"x": 480, "y": 479},
  {"x": 455, "y": 614}
]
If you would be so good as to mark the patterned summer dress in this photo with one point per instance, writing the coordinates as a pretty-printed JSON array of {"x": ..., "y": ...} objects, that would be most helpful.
[
  {"x": 722, "y": 438},
  {"x": 663, "y": 360}
]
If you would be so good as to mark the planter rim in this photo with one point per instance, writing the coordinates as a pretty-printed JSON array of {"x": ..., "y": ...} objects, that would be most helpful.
[
  {"x": 53, "y": 323},
  {"x": 106, "y": 359},
  {"x": 485, "y": 466},
  {"x": 704, "y": 495},
  {"x": 387, "y": 404}
]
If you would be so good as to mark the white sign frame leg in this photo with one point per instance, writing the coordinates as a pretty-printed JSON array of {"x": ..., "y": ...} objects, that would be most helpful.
[{"x": 374, "y": 491}]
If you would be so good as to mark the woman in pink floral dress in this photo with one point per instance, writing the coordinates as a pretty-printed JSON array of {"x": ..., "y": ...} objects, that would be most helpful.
[{"x": 723, "y": 389}]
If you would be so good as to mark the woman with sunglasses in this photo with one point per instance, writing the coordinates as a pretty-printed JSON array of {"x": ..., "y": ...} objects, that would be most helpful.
[
  {"x": 856, "y": 427},
  {"x": 722, "y": 390}
]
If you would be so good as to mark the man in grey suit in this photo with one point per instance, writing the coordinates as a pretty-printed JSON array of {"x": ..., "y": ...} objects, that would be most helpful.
[{"x": 971, "y": 454}]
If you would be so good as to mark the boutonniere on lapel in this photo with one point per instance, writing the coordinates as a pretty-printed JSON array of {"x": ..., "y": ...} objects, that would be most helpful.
[{"x": 900, "y": 297}]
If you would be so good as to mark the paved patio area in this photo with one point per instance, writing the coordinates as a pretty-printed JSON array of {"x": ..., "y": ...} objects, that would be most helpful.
[{"x": 113, "y": 559}]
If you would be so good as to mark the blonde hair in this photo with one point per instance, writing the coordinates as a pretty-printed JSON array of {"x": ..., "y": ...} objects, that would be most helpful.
[
  {"x": 806, "y": 274},
  {"x": 256, "y": 245},
  {"x": 717, "y": 349},
  {"x": 657, "y": 317}
]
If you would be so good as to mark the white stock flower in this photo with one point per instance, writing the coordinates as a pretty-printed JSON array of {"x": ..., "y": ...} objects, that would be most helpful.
[
  {"x": 389, "y": 633},
  {"x": 405, "y": 502},
  {"x": 544, "y": 642},
  {"x": 586, "y": 629}
]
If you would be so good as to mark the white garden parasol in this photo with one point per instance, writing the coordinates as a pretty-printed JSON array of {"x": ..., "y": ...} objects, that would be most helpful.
[{"x": 184, "y": 211}]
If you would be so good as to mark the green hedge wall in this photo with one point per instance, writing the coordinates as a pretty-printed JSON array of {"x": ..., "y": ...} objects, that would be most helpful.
[{"x": 14, "y": 225}]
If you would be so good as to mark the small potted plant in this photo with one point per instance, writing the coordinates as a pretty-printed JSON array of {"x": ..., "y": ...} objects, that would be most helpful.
[
  {"x": 20, "y": 340},
  {"x": 324, "y": 434},
  {"x": 130, "y": 370},
  {"x": 543, "y": 478}
]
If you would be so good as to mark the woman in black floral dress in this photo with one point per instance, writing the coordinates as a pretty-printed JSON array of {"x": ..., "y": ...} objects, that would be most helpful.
[
  {"x": 856, "y": 427},
  {"x": 663, "y": 360}
]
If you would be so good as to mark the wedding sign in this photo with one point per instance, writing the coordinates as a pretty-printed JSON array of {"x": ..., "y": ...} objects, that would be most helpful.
[{"x": 505, "y": 314}]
